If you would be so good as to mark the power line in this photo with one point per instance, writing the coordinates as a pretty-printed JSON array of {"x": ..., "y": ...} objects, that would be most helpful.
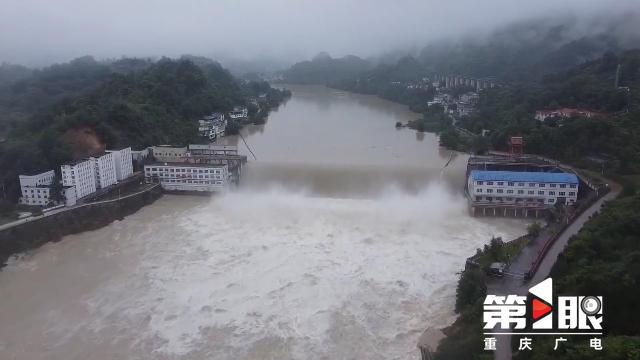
[{"x": 245, "y": 142}]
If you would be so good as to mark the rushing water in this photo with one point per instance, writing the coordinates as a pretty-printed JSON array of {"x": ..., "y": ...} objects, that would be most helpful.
[{"x": 343, "y": 242}]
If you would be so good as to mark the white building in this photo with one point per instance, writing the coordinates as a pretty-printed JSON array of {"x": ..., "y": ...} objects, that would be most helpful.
[
  {"x": 105, "y": 169},
  {"x": 213, "y": 150},
  {"x": 37, "y": 178},
  {"x": 123, "y": 159},
  {"x": 169, "y": 153},
  {"x": 41, "y": 195},
  {"x": 523, "y": 187},
  {"x": 138, "y": 155},
  {"x": 81, "y": 175},
  {"x": 239, "y": 112},
  {"x": 188, "y": 176}
]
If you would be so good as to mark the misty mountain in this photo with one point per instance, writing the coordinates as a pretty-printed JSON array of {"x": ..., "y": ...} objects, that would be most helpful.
[
  {"x": 325, "y": 70},
  {"x": 395, "y": 82},
  {"x": 526, "y": 51},
  {"x": 10, "y": 73}
]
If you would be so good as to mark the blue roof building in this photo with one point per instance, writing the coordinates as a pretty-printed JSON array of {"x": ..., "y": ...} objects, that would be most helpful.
[
  {"x": 534, "y": 177},
  {"x": 521, "y": 188}
]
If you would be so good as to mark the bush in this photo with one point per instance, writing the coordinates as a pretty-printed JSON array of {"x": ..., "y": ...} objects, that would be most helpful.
[{"x": 398, "y": 124}]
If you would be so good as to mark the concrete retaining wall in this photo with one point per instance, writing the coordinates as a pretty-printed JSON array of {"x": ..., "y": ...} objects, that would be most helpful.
[{"x": 33, "y": 234}]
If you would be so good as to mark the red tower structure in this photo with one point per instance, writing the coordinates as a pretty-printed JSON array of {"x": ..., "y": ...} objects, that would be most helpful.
[{"x": 515, "y": 146}]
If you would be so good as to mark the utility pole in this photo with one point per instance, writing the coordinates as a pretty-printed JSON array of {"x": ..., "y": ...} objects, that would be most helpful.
[{"x": 617, "y": 76}]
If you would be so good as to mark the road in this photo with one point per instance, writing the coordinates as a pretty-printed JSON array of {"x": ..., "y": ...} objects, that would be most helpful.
[
  {"x": 56, "y": 211},
  {"x": 524, "y": 260}
]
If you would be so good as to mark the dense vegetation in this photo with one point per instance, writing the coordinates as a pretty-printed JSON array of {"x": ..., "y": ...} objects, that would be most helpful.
[
  {"x": 603, "y": 259},
  {"x": 526, "y": 51},
  {"x": 393, "y": 82},
  {"x": 611, "y": 139},
  {"x": 158, "y": 105},
  {"x": 324, "y": 70}
]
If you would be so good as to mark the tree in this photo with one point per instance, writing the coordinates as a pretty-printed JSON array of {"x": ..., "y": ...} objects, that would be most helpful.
[
  {"x": 450, "y": 139},
  {"x": 496, "y": 246},
  {"x": 471, "y": 288},
  {"x": 37, "y": 211},
  {"x": 534, "y": 229},
  {"x": 56, "y": 191},
  {"x": 398, "y": 124}
]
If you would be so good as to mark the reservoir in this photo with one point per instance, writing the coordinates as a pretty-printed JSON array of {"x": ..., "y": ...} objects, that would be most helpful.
[{"x": 342, "y": 242}]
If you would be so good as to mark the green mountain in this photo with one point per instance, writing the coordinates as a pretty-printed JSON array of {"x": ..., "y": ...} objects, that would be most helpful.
[
  {"x": 527, "y": 51},
  {"x": 325, "y": 70}
]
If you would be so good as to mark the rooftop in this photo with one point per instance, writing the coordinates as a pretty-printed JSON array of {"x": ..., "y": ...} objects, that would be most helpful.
[
  {"x": 100, "y": 154},
  {"x": 35, "y": 172},
  {"x": 537, "y": 177},
  {"x": 76, "y": 162},
  {"x": 118, "y": 149},
  {"x": 186, "y": 164},
  {"x": 212, "y": 147}
]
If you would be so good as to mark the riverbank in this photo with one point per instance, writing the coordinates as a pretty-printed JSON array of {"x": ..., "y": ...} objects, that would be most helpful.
[
  {"x": 465, "y": 336},
  {"x": 37, "y": 232}
]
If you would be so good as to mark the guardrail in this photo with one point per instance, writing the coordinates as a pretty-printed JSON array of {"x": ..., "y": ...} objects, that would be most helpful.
[{"x": 581, "y": 209}]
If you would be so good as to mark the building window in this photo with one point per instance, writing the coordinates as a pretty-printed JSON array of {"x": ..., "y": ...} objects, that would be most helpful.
[
  {"x": 509, "y": 191},
  {"x": 561, "y": 193},
  {"x": 532, "y": 185},
  {"x": 530, "y": 192},
  {"x": 489, "y": 182},
  {"x": 489, "y": 190},
  {"x": 562, "y": 186},
  {"x": 552, "y": 192},
  {"x": 500, "y": 191},
  {"x": 520, "y": 184},
  {"x": 520, "y": 192},
  {"x": 540, "y": 192},
  {"x": 551, "y": 200},
  {"x": 509, "y": 199},
  {"x": 510, "y": 184},
  {"x": 572, "y": 193},
  {"x": 573, "y": 186},
  {"x": 541, "y": 185},
  {"x": 500, "y": 183},
  {"x": 552, "y": 185},
  {"x": 478, "y": 190}
]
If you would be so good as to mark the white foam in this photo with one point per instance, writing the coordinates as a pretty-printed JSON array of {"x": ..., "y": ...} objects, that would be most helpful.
[{"x": 291, "y": 266}]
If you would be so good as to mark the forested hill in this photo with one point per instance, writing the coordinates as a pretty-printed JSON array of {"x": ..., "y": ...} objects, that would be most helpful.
[
  {"x": 325, "y": 70},
  {"x": 527, "y": 51},
  {"x": 611, "y": 138},
  {"x": 158, "y": 105},
  {"x": 401, "y": 82},
  {"x": 25, "y": 91}
]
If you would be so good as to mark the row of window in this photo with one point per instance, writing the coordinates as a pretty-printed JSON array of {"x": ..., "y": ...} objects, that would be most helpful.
[
  {"x": 193, "y": 182},
  {"x": 501, "y": 183},
  {"x": 200, "y": 171},
  {"x": 529, "y": 192},
  {"x": 550, "y": 201},
  {"x": 36, "y": 191}
]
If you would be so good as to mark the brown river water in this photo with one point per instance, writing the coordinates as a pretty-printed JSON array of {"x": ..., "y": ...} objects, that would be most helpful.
[{"x": 342, "y": 242}]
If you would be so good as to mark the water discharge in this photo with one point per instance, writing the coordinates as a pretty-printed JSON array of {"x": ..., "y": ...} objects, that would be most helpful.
[{"x": 303, "y": 261}]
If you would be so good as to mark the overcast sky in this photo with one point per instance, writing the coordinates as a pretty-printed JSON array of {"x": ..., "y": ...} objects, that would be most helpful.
[{"x": 37, "y": 32}]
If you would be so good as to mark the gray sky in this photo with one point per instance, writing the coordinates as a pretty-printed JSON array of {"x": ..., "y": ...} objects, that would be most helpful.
[{"x": 38, "y": 32}]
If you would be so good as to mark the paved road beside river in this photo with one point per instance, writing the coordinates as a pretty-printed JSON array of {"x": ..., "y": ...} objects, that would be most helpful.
[{"x": 523, "y": 262}]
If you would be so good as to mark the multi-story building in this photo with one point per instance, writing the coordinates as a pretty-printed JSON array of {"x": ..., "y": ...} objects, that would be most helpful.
[
  {"x": 123, "y": 159},
  {"x": 188, "y": 176},
  {"x": 523, "y": 187},
  {"x": 34, "y": 187},
  {"x": 81, "y": 175},
  {"x": 213, "y": 149},
  {"x": 37, "y": 178},
  {"x": 105, "y": 169},
  {"x": 169, "y": 153},
  {"x": 239, "y": 112}
]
